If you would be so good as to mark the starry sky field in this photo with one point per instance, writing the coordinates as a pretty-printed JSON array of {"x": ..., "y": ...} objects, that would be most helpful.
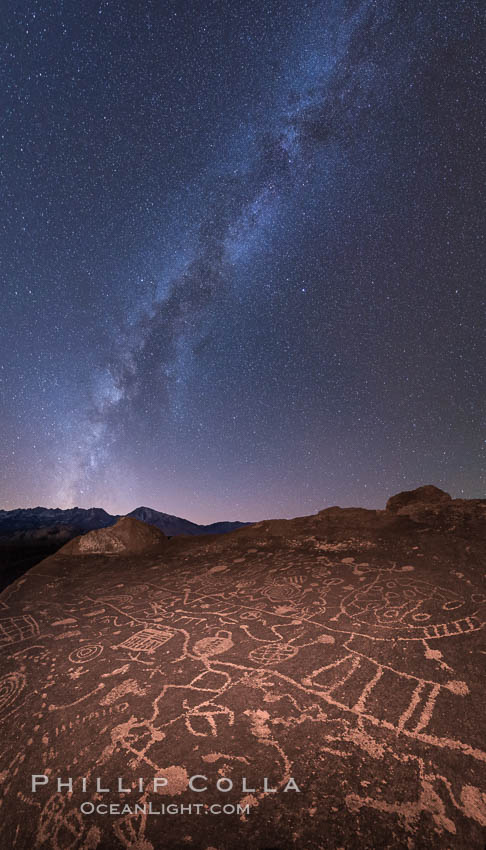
[{"x": 242, "y": 253}]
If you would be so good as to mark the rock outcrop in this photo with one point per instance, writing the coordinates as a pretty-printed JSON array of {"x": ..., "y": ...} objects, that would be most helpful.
[
  {"x": 127, "y": 536},
  {"x": 434, "y": 510},
  {"x": 428, "y": 494}
]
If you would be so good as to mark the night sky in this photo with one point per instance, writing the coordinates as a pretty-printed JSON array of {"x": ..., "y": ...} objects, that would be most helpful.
[{"x": 242, "y": 254}]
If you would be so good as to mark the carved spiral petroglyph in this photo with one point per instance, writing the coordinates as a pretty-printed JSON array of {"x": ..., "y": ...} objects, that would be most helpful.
[{"x": 11, "y": 686}]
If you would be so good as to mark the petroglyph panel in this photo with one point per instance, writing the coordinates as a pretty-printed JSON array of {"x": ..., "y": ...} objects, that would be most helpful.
[{"x": 356, "y": 670}]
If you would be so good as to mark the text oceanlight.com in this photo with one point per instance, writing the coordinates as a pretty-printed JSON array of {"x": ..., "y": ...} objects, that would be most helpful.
[{"x": 88, "y": 808}]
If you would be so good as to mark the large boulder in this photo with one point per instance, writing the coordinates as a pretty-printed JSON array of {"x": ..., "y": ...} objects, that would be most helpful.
[
  {"x": 434, "y": 510},
  {"x": 127, "y": 536},
  {"x": 408, "y": 499}
]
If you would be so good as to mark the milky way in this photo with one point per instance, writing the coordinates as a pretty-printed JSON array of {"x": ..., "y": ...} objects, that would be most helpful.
[{"x": 242, "y": 254}]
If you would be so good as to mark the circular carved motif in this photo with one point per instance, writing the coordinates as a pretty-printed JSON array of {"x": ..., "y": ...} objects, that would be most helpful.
[
  {"x": 86, "y": 653},
  {"x": 10, "y": 687},
  {"x": 282, "y": 592}
]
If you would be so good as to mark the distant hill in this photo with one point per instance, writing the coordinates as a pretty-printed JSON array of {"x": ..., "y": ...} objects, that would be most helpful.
[
  {"x": 28, "y": 535},
  {"x": 172, "y": 526}
]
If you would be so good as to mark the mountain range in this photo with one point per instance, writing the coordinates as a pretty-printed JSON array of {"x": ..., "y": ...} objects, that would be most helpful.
[{"x": 25, "y": 520}]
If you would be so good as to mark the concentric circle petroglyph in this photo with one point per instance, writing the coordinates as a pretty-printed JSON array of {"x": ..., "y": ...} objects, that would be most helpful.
[
  {"x": 86, "y": 653},
  {"x": 282, "y": 592}
]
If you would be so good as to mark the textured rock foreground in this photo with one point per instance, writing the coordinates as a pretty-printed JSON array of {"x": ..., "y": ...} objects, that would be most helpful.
[{"x": 343, "y": 651}]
